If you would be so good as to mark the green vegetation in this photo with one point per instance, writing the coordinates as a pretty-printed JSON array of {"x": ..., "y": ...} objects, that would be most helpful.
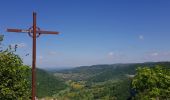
[
  {"x": 110, "y": 90},
  {"x": 13, "y": 77},
  {"x": 152, "y": 83},
  {"x": 99, "y": 82},
  {"x": 101, "y": 73},
  {"x": 47, "y": 84},
  {"x": 112, "y": 82}
]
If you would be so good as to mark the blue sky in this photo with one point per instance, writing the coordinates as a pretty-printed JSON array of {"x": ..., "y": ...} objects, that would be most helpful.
[{"x": 92, "y": 31}]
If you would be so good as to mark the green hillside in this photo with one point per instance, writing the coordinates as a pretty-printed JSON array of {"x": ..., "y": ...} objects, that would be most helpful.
[
  {"x": 47, "y": 84},
  {"x": 100, "y": 82},
  {"x": 101, "y": 73}
]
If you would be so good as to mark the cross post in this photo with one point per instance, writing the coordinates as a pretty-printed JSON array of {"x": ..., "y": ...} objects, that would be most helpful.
[{"x": 33, "y": 32}]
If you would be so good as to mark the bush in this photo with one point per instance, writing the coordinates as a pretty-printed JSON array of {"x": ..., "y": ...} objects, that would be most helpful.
[{"x": 13, "y": 77}]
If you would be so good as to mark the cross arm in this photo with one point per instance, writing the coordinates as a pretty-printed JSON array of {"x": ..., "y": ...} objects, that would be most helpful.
[
  {"x": 47, "y": 32},
  {"x": 17, "y": 30},
  {"x": 31, "y": 31}
]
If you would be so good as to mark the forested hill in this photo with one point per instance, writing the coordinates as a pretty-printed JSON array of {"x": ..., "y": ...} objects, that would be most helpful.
[
  {"x": 100, "y": 73},
  {"x": 47, "y": 84}
]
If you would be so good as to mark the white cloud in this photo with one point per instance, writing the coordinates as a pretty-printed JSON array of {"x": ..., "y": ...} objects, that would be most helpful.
[
  {"x": 157, "y": 56},
  {"x": 154, "y": 54},
  {"x": 141, "y": 37},
  {"x": 111, "y": 53},
  {"x": 160, "y": 54},
  {"x": 116, "y": 55},
  {"x": 52, "y": 53}
]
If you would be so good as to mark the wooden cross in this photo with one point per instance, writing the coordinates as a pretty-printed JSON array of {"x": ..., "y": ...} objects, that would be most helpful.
[{"x": 33, "y": 32}]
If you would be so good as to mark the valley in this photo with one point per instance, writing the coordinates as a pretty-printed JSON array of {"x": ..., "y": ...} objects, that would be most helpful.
[{"x": 96, "y": 82}]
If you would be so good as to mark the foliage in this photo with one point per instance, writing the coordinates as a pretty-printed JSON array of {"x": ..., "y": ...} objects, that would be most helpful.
[
  {"x": 102, "y": 82},
  {"x": 47, "y": 84},
  {"x": 13, "y": 77},
  {"x": 102, "y": 73},
  {"x": 15, "y": 81},
  {"x": 152, "y": 83},
  {"x": 109, "y": 90}
]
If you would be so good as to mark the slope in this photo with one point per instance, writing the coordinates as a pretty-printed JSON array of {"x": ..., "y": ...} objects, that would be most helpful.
[
  {"x": 47, "y": 84},
  {"x": 100, "y": 73}
]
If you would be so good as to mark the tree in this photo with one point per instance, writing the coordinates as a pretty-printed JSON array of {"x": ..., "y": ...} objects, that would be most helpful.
[
  {"x": 13, "y": 77},
  {"x": 152, "y": 83}
]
